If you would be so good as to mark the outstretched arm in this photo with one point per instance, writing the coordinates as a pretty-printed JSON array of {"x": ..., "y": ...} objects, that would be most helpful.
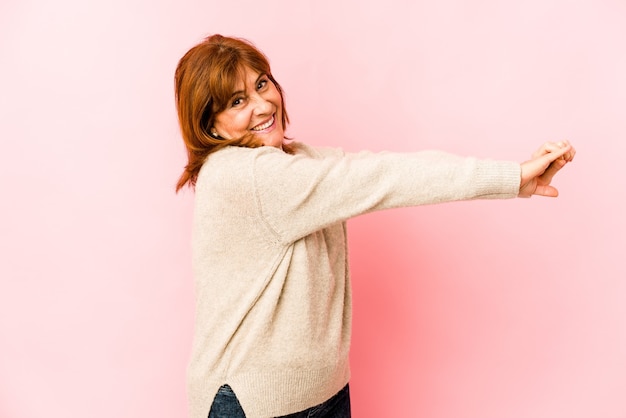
[{"x": 537, "y": 173}]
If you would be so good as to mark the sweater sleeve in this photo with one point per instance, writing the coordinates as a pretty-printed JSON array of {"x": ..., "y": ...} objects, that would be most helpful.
[{"x": 299, "y": 194}]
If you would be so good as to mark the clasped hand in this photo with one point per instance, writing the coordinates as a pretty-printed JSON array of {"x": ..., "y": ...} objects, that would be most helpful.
[{"x": 537, "y": 173}]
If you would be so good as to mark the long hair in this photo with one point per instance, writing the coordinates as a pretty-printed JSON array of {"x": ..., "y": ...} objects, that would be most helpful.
[{"x": 205, "y": 79}]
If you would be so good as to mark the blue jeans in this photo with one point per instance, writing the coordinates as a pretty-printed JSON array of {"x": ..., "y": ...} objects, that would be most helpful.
[{"x": 226, "y": 405}]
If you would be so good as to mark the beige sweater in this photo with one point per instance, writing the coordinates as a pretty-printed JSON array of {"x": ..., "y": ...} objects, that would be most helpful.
[{"x": 271, "y": 268}]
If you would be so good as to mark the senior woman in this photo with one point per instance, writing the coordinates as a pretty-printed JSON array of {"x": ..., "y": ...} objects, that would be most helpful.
[{"x": 273, "y": 309}]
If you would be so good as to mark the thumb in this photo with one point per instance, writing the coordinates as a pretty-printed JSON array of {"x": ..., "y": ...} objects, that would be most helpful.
[{"x": 546, "y": 190}]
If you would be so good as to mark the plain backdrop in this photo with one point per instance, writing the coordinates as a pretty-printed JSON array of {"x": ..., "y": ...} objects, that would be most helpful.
[{"x": 483, "y": 309}]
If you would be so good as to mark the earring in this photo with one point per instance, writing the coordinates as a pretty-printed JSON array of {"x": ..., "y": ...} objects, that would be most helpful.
[{"x": 214, "y": 134}]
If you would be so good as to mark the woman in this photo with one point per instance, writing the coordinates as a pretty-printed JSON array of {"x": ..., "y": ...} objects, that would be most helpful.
[{"x": 269, "y": 240}]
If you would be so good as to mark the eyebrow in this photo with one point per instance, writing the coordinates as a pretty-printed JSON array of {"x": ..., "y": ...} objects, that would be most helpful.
[{"x": 238, "y": 92}]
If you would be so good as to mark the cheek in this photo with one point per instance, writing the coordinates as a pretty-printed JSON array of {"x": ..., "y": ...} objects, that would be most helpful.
[
  {"x": 242, "y": 121},
  {"x": 231, "y": 123},
  {"x": 277, "y": 99}
]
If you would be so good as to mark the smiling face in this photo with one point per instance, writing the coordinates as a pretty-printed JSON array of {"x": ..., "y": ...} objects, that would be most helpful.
[{"x": 255, "y": 107}]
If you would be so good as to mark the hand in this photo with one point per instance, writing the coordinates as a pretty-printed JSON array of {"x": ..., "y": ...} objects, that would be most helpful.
[{"x": 537, "y": 172}]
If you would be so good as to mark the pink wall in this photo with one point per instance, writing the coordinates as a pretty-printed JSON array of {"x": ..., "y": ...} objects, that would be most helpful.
[{"x": 477, "y": 309}]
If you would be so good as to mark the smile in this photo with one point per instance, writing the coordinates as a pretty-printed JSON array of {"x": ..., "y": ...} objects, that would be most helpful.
[{"x": 264, "y": 126}]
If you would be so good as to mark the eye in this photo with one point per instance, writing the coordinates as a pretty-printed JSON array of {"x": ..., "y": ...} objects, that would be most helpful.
[
  {"x": 238, "y": 101},
  {"x": 262, "y": 83}
]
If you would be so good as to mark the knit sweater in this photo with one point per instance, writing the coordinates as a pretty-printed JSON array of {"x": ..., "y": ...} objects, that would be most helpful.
[{"x": 273, "y": 307}]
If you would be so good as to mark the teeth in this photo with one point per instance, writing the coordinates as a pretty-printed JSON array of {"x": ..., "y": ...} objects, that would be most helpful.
[{"x": 264, "y": 126}]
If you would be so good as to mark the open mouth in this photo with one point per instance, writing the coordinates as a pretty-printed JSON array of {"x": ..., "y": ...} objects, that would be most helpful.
[{"x": 264, "y": 125}]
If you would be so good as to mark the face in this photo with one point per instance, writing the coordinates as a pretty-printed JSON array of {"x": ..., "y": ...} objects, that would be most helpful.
[{"x": 255, "y": 107}]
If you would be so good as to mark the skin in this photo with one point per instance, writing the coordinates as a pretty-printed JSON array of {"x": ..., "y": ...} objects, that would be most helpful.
[
  {"x": 537, "y": 173},
  {"x": 255, "y": 103}
]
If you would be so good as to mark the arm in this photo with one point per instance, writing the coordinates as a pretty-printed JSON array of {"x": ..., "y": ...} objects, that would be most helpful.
[{"x": 300, "y": 194}]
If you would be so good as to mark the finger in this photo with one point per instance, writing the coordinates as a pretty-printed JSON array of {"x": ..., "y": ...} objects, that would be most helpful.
[
  {"x": 539, "y": 165},
  {"x": 554, "y": 155},
  {"x": 546, "y": 190},
  {"x": 570, "y": 155},
  {"x": 546, "y": 148},
  {"x": 552, "y": 169}
]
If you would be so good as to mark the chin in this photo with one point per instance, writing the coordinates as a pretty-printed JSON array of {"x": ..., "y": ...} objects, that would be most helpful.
[{"x": 274, "y": 141}]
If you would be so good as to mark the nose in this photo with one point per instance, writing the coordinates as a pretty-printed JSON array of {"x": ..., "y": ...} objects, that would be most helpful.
[{"x": 261, "y": 106}]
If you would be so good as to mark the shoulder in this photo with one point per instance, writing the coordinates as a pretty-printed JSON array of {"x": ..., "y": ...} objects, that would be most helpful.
[
  {"x": 232, "y": 159},
  {"x": 234, "y": 163}
]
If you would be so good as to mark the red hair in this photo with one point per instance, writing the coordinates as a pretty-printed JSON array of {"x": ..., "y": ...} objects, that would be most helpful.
[{"x": 205, "y": 79}]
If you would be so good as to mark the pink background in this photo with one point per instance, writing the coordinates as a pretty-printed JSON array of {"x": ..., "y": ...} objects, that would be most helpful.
[{"x": 474, "y": 309}]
